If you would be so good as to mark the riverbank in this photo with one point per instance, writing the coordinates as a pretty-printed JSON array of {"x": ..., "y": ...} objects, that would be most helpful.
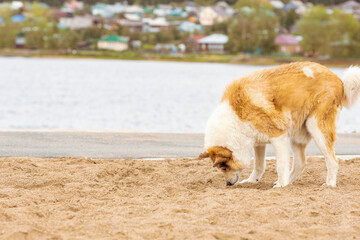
[
  {"x": 72, "y": 198},
  {"x": 209, "y": 58}
]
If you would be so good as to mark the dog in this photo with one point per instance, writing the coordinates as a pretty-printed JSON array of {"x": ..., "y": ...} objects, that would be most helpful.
[{"x": 287, "y": 105}]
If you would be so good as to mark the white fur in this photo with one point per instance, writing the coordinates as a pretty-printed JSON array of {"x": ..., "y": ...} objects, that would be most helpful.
[
  {"x": 299, "y": 161},
  {"x": 259, "y": 165},
  {"x": 225, "y": 129},
  {"x": 351, "y": 80},
  {"x": 308, "y": 71},
  {"x": 282, "y": 152},
  {"x": 257, "y": 97},
  {"x": 331, "y": 164}
]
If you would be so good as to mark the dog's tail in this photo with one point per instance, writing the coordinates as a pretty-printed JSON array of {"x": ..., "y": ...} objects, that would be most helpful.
[{"x": 351, "y": 80}]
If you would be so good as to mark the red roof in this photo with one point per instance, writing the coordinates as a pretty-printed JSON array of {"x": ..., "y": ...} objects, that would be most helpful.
[
  {"x": 286, "y": 39},
  {"x": 198, "y": 37}
]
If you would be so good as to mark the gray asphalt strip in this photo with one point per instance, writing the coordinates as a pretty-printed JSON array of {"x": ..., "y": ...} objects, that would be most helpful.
[{"x": 96, "y": 144}]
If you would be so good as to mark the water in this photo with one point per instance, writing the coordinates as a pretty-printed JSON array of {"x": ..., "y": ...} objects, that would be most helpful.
[{"x": 85, "y": 94}]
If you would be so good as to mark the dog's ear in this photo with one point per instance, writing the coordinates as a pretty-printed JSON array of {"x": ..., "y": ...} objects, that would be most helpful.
[
  {"x": 204, "y": 154},
  {"x": 219, "y": 161}
]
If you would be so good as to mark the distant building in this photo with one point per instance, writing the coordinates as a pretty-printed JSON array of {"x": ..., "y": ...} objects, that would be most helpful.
[
  {"x": 351, "y": 7},
  {"x": 77, "y": 22},
  {"x": 20, "y": 40},
  {"x": 277, "y": 4},
  {"x": 74, "y": 5},
  {"x": 107, "y": 10},
  {"x": 113, "y": 42},
  {"x": 189, "y": 27},
  {"x": 133, "y": 26},
  {"x": 155, "y": 25},
  {"x": 211, "y": 15},
  {"x": 57, "y": 14},
  {"x": 134, "y": 9},
  {"x": 18, "y": 18},
  {"x": 214, "y": 43},
  {"x": 192, "y": 44},
  {"x": 288, "y": 44}
]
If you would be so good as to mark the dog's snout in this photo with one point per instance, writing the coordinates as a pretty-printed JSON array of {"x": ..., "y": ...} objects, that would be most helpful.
[{"x": 229, "y": 184}]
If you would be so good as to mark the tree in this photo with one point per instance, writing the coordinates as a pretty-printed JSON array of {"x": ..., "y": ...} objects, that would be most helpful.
[
  {"x": 287, "y": 18},
  {"x": 68, "y": 39},
  {"x": 323, "y": 32},
  {"x": 7, "y": 28},
  {"x": 254, "y": 28},
  {"x": 39, "y": 29}
]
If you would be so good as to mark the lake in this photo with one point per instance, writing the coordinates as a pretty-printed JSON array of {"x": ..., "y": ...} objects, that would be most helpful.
[{"x": 92, "y": 94}]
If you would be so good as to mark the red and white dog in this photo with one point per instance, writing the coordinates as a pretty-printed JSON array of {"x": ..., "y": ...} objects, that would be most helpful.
[{"x": 291, "y": 103}]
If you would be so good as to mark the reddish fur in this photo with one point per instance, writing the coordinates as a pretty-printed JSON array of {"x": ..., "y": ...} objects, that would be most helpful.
[{"x": 288, "y": 89}]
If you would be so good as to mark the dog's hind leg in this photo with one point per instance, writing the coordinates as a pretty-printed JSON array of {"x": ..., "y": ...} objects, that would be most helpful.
[
  {"x": 259, "y": 165},
  {"x": 299, "y": 160},
  {"x": 282, "y": 152},
  {"x": 325, "y": 139}
]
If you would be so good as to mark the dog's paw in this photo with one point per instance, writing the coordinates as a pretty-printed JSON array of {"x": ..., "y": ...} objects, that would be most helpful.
[
  {"x": 329, "y": 184},
  {"x": 277, "y": 184},
  {"x": 249, "y": 181}
]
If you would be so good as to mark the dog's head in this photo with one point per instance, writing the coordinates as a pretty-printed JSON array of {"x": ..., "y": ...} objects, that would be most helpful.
[{"x": 224, "y": 159}]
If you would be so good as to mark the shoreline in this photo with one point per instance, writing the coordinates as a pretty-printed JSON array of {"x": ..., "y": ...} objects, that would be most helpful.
[{"x": 241, "y": 59}]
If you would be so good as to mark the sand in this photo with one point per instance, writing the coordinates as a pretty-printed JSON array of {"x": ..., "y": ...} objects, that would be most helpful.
[{"x": 70, "y": 198}]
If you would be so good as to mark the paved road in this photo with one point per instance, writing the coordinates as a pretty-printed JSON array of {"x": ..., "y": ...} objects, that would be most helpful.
[{"x": 126, "y": 145}]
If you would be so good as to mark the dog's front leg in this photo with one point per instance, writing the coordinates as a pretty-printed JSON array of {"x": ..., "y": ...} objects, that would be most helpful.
[
  {"x": 259, "y": 165},
  {"x": 282, "y": 152}
]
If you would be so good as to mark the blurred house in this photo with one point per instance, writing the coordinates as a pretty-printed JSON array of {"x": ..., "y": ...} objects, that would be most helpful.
[
  {"x": 133, "y": 22},
  {"x": 16, "y": 5},
  {"x": 192, "y": 44},
  {"x": 189, "y": 27},
  {"x": 225, "y": 7},
  {"x": 155, "y": 24},
  {"x": 296, "y": 5},
  {"x": 20, "y": 40},
  {"x": 74, "y": 5},
  {"x": 18, "y": 18},
  {"x": 288, "y": 44},
  {"x": 162, "y": 10},
  {"x": 134, "y": 9},
  {"x": 113, "y": 42},
  {"x": 277, "y": 4},
  {"x": 133, "y": 26},
  {"x": 214, "y": 43},
  {"x": 57, "y": 14},
  {"x": 107, "y": 10},
  {"x": 210, "y": 15},
  {"x": 351, "y": 7},
  {"x": 77, "y": 22}
]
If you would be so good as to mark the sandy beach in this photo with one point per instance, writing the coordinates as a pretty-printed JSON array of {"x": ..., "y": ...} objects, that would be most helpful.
[{"x": 71, "y": 198}]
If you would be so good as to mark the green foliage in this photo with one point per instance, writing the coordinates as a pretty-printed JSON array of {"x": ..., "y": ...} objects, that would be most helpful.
[
  {"x": 324, "y": 33},
  {"x": 68, "y": 39},
  {"x": 91, "y": 33},
  {"x": 39, "y": 30},
  {"x": 254, "y": 29},
  {"x": 288, "y": 18},
  {"x": 7, "y": 28},
  {"x": 218, "y": 27}
]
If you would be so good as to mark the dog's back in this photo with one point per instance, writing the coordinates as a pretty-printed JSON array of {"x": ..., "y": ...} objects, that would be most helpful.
[{"x": 282, "y": 98}]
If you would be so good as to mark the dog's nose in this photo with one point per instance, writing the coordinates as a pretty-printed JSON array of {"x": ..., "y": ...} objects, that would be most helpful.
[{"x": 229, "y": 184}]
